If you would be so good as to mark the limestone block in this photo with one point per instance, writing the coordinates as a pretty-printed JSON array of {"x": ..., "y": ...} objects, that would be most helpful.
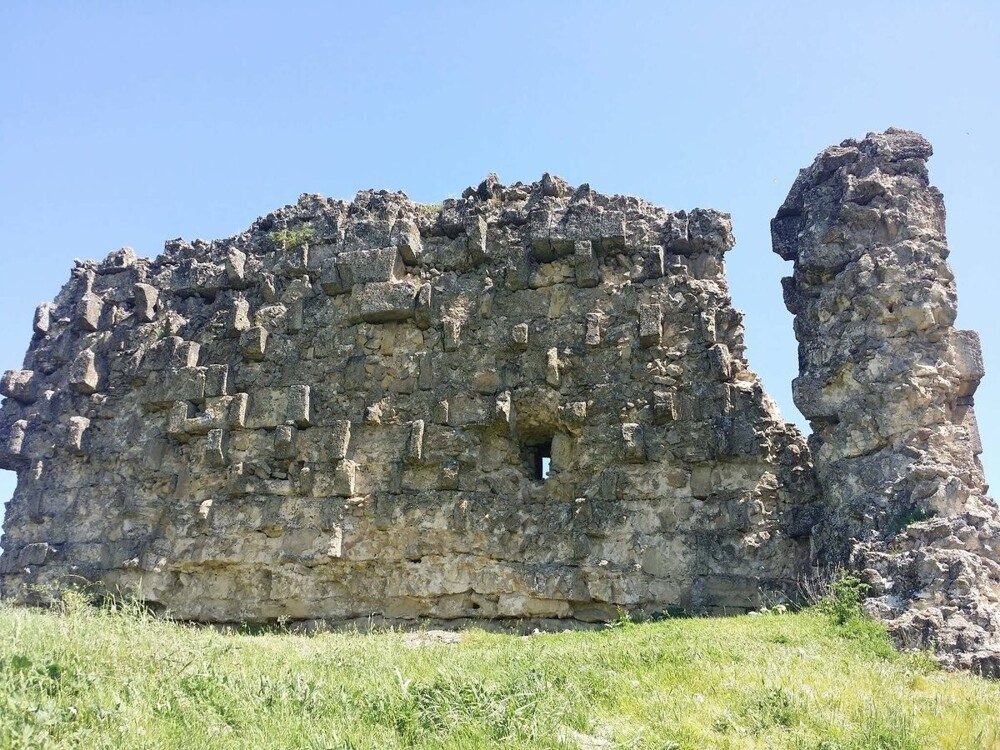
[
  {"x": 653, "y": 264},
  {"x": 11, "y": 458},
  {"x": 593, "y": 330},
  {"x": 345, "y": 479},
  {"x": 367, "y": 266},
  {"x": 415, "y": 443},
  {"x": 503, "y": 411},
  {"x": 664, "y": 405},
  {"x": 422, "y": 313},
  {"x": 217, "y": 381},
  {"x": 475, "y": 231},
  {"x": 118, "y": 261},
  {"x": 441, "y": 412},
  {"x": 187, "y": 354},
  {"x": 83, "y": 375},
  {"x": 75, "y": 432},
  {"x": 299, "y": 406},
  {"x": 573, "y": 415},
  {"x": 383, "y": 302},
  {"x": 238, "y": 318},
  {"x": 720, "y": 362},
  {"x": 253, "y": 343},
  {"x": 968, "y": 358},
  {"x": 178, "y": 384},
  {"x": 284, "y": 441},
  {"x": 146, "y": 296},
  {"x": 405, "y": 234},
  {"x": 452, "y": 334},
  {"x": 341, "y": 439},
  {"x": 634, "y": 451},
  {"x": 293, "y": 262},
  {"x": 330, "y": 280},
  {"x": 43, "y": 318},
  {"x": 552, "y": 376},
  {"x": 448, "y": 479},
  {"x": 585, "y": 264},
  {"x": 650, "y": 324},
  {"x": 20, "y": 385},
  {"x": 214, "y": 448},
  {"x": 236, "y": 262},
  {"x": 425, "y": 370},
  {"x": 177, "y": 420},
  {"x": 237, "y": 416},
  {"x": 519, "y": 336},
  {"x": 88, "y": 312}
]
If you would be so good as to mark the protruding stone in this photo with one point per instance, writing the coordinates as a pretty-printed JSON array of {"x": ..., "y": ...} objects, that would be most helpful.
[
  {"x": 299, "y": 410},
  {"x": 519, "y": 336},
  {"x": 552, "y": 376},
  {"x": 43, "y": 318},
  {"x": 452, "y": 334},
  {"x": 415, "y": 442},
  {"x": 284, "y": 441},
  {"x": 664, "y": 406},
  {"x": 345, "y": 479},
  {"x": 76, "y": 429},
  {"x": 650, "y": 324},
  {"x": 236, "y": 268},
  {"x": 88, "y": 312},
  {"x": 340, "y": 440},
  {"x": 217, "y": 381},
  {"x": 19, "y": 385},
  {"x": 367, "y": 266},
  {"x": 83, "y": 375},
  {"x": 634, "y": 451},
  {"x": 215, "y": 454},
  {"x": 593, "y": 333},
  {"x": 237, "y": 416},
  {"x": 475, "y": 230},
  {"x": 253, "y": 343},
  {"x": 585, "y": 261},
  {"x": 238, "y": 319},
  {"x": 405, "y": 235},
  {"x": 146, "y": 297}
]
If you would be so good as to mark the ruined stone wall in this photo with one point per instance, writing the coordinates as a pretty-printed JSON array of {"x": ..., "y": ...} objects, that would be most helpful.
[
  {"x": 343, "y": 413},
  {"x": 887, "y": 384}
]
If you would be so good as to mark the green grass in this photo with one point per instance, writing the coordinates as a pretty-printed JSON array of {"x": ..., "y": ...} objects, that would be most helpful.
[{"x": 94, "y": 678}]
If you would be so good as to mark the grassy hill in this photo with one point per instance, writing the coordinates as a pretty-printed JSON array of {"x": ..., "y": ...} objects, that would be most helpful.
[{"x": 95, "y": 678}]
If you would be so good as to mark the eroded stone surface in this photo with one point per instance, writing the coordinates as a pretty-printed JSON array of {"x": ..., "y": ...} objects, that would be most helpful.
[
  {"x": 887, "y": 383},
  {"x": 345, "y": 411}
]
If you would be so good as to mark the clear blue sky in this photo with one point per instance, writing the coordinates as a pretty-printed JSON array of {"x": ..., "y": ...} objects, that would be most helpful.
[{"x": 131, "y": 123}]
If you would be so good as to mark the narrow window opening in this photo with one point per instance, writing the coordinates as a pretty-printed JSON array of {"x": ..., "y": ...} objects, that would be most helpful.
[{"x": 541, "y": 460}]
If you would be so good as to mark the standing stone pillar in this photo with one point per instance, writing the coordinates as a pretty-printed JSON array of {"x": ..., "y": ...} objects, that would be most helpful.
[{"x": 887, "y": 384}]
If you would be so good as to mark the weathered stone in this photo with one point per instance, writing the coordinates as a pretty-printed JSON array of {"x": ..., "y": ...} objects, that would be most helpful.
[
  {"x": 253, "y": 343},
  {"x": 887, "y": 382},
  {"x": 146, "y": 297},
  {"x": 83, "y": 375},
  {"x": 366, "y": 266},
  {"x": 88, "y": 312},
  {"x": 43, "y": 318},
  {"x": 19, "y": 385},
  {"x": 238, "y": 319}
]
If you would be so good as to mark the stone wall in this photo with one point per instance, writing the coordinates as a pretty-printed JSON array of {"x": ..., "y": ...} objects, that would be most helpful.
[
  {"x": 345, "y": 412},
  {"x": 887, "y": 384}
]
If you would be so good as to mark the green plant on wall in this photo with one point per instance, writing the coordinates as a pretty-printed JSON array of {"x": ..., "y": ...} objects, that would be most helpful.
[{"x": 289, "y": 239}]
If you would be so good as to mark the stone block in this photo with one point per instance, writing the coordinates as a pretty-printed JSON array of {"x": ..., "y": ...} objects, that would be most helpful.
[
  {"x": 653, "y": 263},
  {"x": 452, "y": 334},
  {"x": 217, "y": 381},
  {"x": 83, "y": 375},
  {"x": 384, "y": 302},
  {"x": 88, "y": 312},
  {"x": 43, "y": 318},
  {"x": 284, "y": 441},
  {"x": 238, "y": 318},
  {"x": 330, "y": 280},
  {"x": 177, "y": 420},
  {"x": 448, "y": 479},
  {"x": 146, "y": 296},
  {"x": 634, "y": 444},
  {"x": 664, "y": 406},
  {"x": 369, "y": 266},
  {"x": 422, "y": 312},
  {"x": 415, "y": 443},
  {"x": 118, "y": 261},
  {"x": 405, "y": 235},
  {"x": 215, "y": 449},
  {"x": 519, "y": 336},
  {"x": 236, "y": 269},
  {"x": 20, "y": 385},
  {"x": 592, "y": 336},
  {"x": 345, "y": 479},
  {"x": 552, "y": 375},
  {"x": 475, "y": 232},
  {"x": 237, "y": 416},
  {"x": 585, "y": 264},
  {"x": 968, "y": 358},
  {"x": 299, "y": 410},
  {"x": 650, "y": 324},
  {"x": 76, "y": 430},
  {"x": 720, "y": 362},
  {"x": 11, "y": 451},
  {"x": 187, "y": 355},
  {"x": 253, "y": 343},
  {"x": 341, "y": 439}
]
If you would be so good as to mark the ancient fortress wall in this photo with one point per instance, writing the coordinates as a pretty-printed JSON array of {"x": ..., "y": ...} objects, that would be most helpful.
[{"x": 345, "y": 412}]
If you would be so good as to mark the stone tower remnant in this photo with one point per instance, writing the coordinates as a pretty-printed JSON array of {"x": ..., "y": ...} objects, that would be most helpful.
[
  {"x": 348, "y": 411},
  {"x": 887, "y": 382}
]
